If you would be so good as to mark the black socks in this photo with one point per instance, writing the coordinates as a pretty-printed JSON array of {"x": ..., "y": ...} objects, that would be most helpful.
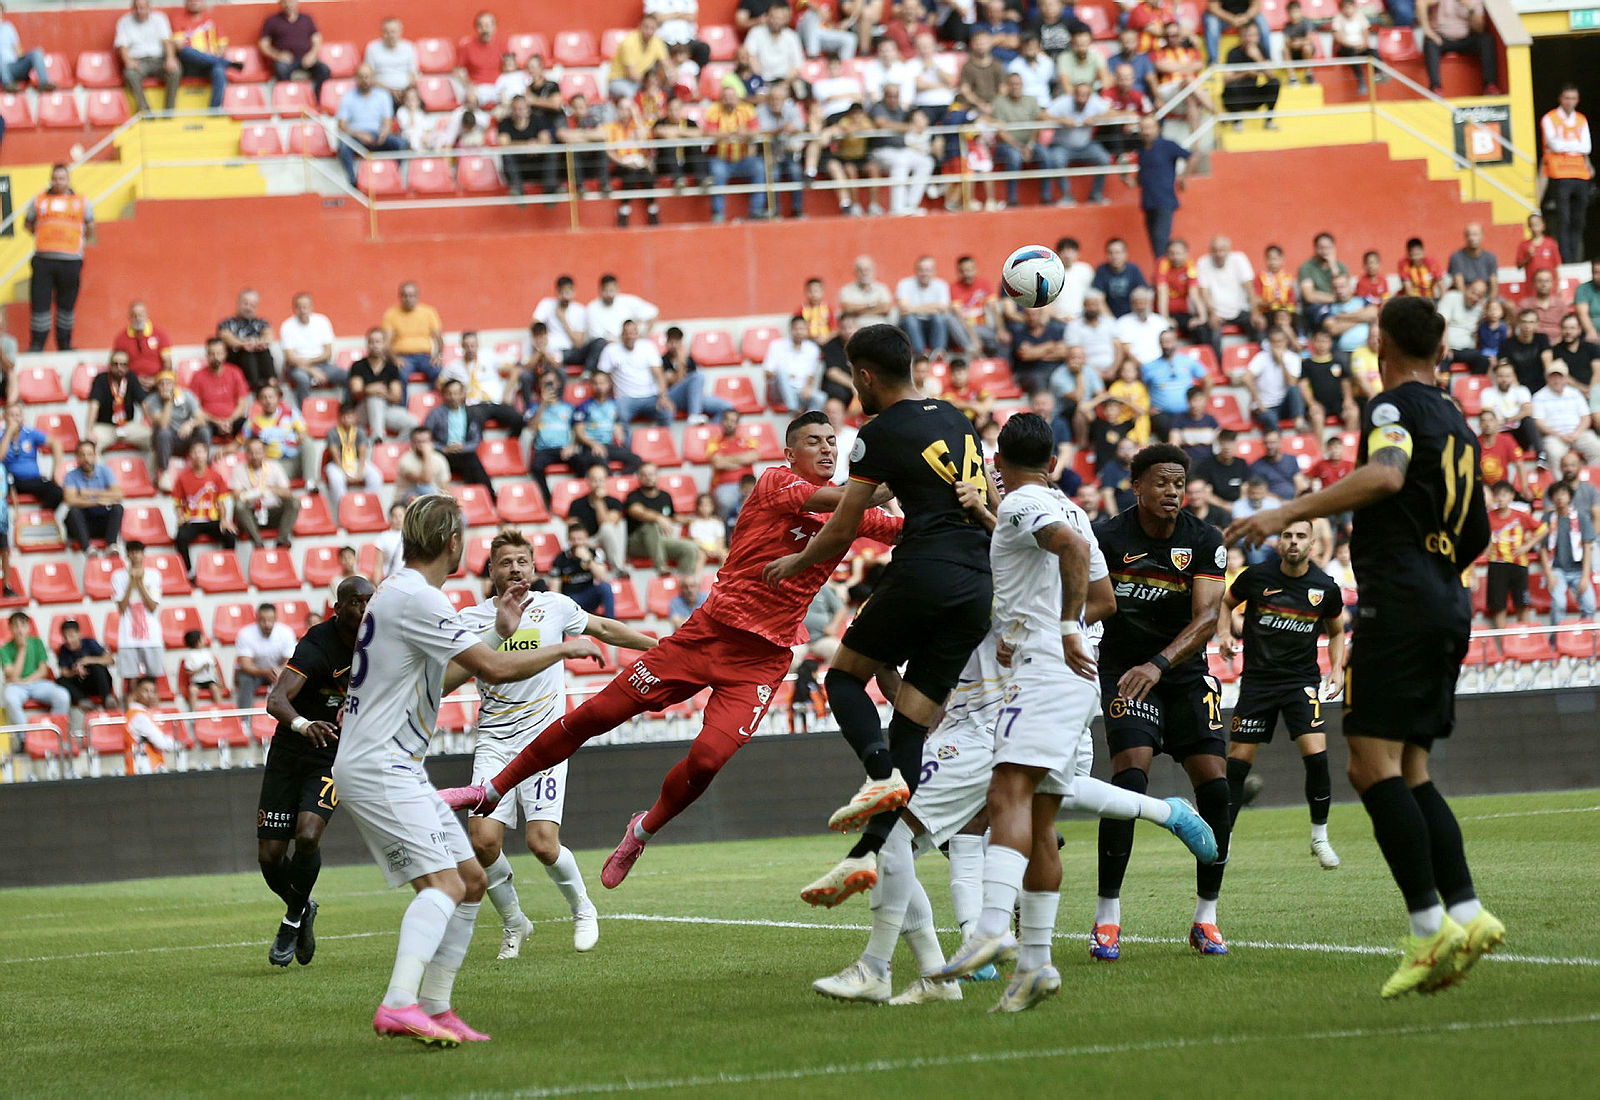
[
  {"x": 1401, "y": 829},
  {"x": 1116, "y": 837},
  {"x": 858, "y": 722},
  {"x": 1319, "y": 788},
  {"x": 1211, "y": 799}
]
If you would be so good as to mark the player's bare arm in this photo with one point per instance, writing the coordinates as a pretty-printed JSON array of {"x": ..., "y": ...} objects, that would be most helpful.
[
  {"x": 611, "y": 632},
  {"x": 1072, "y": 550},
  {"x": 1225, "y": 644},
  {"x": 834, "y": 538},
  {"x": 1383, "y": 475},
  {"x": 280, "y": 705},
  {"x": 1101, "y": 603},
  {"x": 975, "y": 501},
  {"x": 1206, "y": 601},
  {"x": 827, "y": 498}
]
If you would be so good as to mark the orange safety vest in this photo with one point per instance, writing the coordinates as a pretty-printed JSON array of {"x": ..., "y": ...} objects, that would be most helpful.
[
  {"x": 58, "y": 223},
  {"x": 131, "y": 743},
  {"x": 1564, "y": 166}
]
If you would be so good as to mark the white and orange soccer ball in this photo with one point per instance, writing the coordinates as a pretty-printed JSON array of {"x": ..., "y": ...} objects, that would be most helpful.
[{"x": 1032, "y": 276}]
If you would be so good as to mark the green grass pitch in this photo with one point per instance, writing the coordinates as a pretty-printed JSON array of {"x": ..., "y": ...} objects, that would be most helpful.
[{"x": 700, "y": 985}]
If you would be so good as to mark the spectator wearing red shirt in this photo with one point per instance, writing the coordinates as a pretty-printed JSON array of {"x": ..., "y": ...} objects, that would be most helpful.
[
  {"x": 291, "y": 41},
  {"x": 149, "y": 351},
  {"x": 1127, "y": 96},
  {"x": 1333, "y": 467},
  {"x": 974, "y": 303},
  {"x": 975, "y": 401},
  {"x": 222, "y": 391},
  {"x": 1373, "y": 285},
  {"x": 731, "y": 456},
  {"x": 1513, "y": 531},
  {"x": 478, "y": 58},
  {"x": 1178, "y": 295},
  {"x": 1419, "y": 274},
  {"x": 1539, "y": 252},
  {"x": 1501, "y": 453},
  {"x": 200, "y": 497},
  {"x": 1150, "y": 20}
]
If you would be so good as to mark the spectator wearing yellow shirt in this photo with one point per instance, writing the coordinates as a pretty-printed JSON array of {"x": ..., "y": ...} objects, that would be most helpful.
[
  {"x": 415, "y": 335},
  {"x": 734, "y": 158},
  {"x": 639, "y": 51},
  {"x": 630, "y": 164}
]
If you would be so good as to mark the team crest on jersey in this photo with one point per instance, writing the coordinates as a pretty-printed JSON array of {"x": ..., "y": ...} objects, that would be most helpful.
[
  {"x": 859, "y": 450},
  {"x": 535, "y": 615},
  {"x": 1012, "y": 691},
  {"x": 763, "y": 693},
  {"x": 947, "y": 752},
  {"x": 1314, "y": 596},
  {"x": 1181, "y": 557}
]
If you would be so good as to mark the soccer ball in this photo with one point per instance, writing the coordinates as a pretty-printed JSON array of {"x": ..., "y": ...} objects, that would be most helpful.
[{"x": 1032, "y": 276}]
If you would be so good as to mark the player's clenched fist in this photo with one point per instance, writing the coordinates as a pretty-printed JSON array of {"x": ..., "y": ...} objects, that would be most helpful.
[
  {"x": 1254, "y": 530},
  {"x": 1137, "y": 682},
  {"x": 781, "y": 570}
]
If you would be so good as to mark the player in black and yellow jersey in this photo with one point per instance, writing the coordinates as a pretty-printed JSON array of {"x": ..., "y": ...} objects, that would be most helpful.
[
  {"x": 297, "y": 793},
  {"x": 1420, "y": 520},
  {"x": 930, "y": 610},
  {"x": 1287, "y": 603},
  {"x": 1166, "y": 569}
]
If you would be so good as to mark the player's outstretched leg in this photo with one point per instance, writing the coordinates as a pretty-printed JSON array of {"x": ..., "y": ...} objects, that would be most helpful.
[
  {"x": 1212, "y": 801},
  {"x": 868, "y": 978},
  {"x": 1088, "y": 795},
  {"x": 1484, "y": 931},
  {"x": 686, "y": 782}
]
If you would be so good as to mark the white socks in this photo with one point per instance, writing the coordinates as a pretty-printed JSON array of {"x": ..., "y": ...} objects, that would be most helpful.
[
  {"x": 1205, "y": 910},
  {"x": 897, "y": 878},
  {"x": 1319, "y": 832},
  {"x": 919, "y": 933},
  {"x": 640, "y": 833},
  {"x": 1003, "y": 869},
  {"x": 440, "y": 976},
  {"x": 1108, "y": 911},
  {"x": 966, "y": 879},
  {"x": 1088, "y": 795},
  {"x": 1038, "y": 925},
  {"x": 421, "y": 930},
  {"x": 503, "y": 892},
  {"x": 1427, "y": 922},
  {"x": 490, "y": 793},
  {"x": 1463, "y": 911},
  {"x": 568, "y": 879}
]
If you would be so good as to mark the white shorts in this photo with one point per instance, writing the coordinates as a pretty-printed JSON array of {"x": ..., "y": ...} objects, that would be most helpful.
[
  {"x": 408, "y": 828},
  {"x": 542, "y": 797},
  {"x": 1044, "y": 721},
  {"x": 140, "y": 660},
  {"x": 957, "y": 762}
]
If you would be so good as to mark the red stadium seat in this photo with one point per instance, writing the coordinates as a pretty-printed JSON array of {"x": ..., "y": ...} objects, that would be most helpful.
[
  {"x": 246, "y": 101},
  {"x": 658, "y": 596},
  {"x": 253, "y": 70},
  {"x": 379, "y": 179},
  {"x": 755, "y": 341},
  {"x": 455, "y": 715},
  {"x": 230, "y": 618},
  {"x": 580, "y": 82},
  {"x": 213, "y": 731},
  {"x": 1527, "y": 648},
  {"x": 271, "y": 569},
  {"x": 292, "y": 98},
  {"x": 60, "y": 427},
  {"x": 563, "y": 493},
  {"x": 174, "y": 582},
  {"x": 1251, "y": 448},
  {"x": 524, "y": 46},
  {"x": 321, "y": 413},
  {"x": 1225, "y": 407},
  {"x": 218, "y": 571},
  {"x": 683, "y": 491},
  {"x": 309, "y": 139},
  {"x": 361, "y": 513},
  {"x": 477, "y": 553},
  {"x": 332, "y": 92},
  {"x": 52, "y": 582},
  {"x": 655, "y": 445},
  {"x": 1468, "y": 389},
  {"x": 723, "y": 40},
  {"x": 132, "y": 474},
  {"x": 341, "y": 58},
  {"x": 386, "y": 457},
  {"x": 97, "y": 574},
  {"x": 438, "y": 94},
  {"x": 769, "y": 448},
  {"x": 1275, "y": 13},
  {"x": 738, "y": 391},
  {"x": 260, "y": 139},
  {"x": 476, "y": 507},
  {"x": 714, "y": 348},
  {"x": 545, "y": 548},
  {"x": 435, "y": 55},
  {"x": 314, "y": 517},
  {"x": 1094, "y": 17},
  {"x": 59, "y": 70},
  {"x": 36, "y": 530},
  {"x": 98, "y": 69},
  {"x": 145, "y": 523},
  {"x": 17, "y": 113},
  {"x": 696, "y": 438},
  {"x": 502, "y": 458},
  {"x": 423, "y": 402},
  {"x": 994, "y": 375},
  {"x": 41, "y": 386},
  {"x": 294, "y": 614},
  {"x": 1397, "y": 44},
  {"x": 461, "y": 598},
  {"x": 628, "y": 606},
  {"x": 106, "y": 108},
  {"x": 587, "y": 666},
  {"x": 520, "y": 502},
  {"x": 610, "y": 38},
  {"x": 1305, "y": 446},
  {"x": 322, "y": 565},
  {"x": 711, "y": 78},
  {"x": 430, "y": 176},
  {"x": 575, "y": 49},
  {"x": 477, "y": 175},
  {"x": 1576, "y": 644},
  {"x": 178, "y": 621}
]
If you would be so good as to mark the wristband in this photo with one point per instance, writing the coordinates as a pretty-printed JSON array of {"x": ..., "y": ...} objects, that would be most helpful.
[
  {"x": 1161, "y": 662},
  {"x": 491, "y": 638},
  {"x": 300, "y": 724},
  {"x": 1071, "y": 628}
]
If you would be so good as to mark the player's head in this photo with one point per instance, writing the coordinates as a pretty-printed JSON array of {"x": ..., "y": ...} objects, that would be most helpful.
[
  {"x": 510, "y": 560},
  {"x": 1294, "y": 543},
  {"x": 433, "y": 531},
  {"x": 144, "y": 691},
  {"x": 351, "y": 604},
  {"x": 1411, "y": 336},
  {"x": 810, "y": 446},
  {"x": 1026, "y": 446},
  {"x": 880, "y": 365},
  {"x": 1159, "y": 474}
]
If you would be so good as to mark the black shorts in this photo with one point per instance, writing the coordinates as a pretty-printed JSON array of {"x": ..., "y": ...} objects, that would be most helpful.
[
  {"x": 1400, "y": 684},
  {"x": 1255, "y": 715},
  {"x": 1181, "y": 719},
  {"x": 294, "y": 782},
  {"x": 1506, "y": 579},
  {"x": 927, "y": 615}
]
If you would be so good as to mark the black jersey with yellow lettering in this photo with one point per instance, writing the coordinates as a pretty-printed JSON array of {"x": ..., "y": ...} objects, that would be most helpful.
[
  {"x": 1153, "y": 580},
  {"x": 323, "y": 658},
  {"x": 1283, "y": 618},
  {"x": 1410, "y": 548},
  {"x": 920, "y": 449}
]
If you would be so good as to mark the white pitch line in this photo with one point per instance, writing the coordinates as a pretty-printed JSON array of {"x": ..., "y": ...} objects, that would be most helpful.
[
  {"x": 1533, "y": 813},
  {"x": 984, "y": 1057},
  {"x": 177, "y": 947}
]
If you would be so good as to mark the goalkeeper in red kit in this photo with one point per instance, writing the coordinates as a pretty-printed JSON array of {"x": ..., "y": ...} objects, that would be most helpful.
[{"x": 737, "y": 643}]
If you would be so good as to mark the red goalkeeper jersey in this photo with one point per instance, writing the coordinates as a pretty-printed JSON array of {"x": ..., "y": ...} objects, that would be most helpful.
[{"x": 772, "y": 525}]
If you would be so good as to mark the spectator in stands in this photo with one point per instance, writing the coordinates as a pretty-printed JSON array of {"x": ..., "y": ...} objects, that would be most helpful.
[
  {"x": 734, "y": 159},
  {"x": 522, "y": 127},
  {"x": 1546, "y": 303},
  {"x": 199, "y": 45},
  {"x": 478, "y": 58},
  {"x": 601, "y": 432},
  {"x": 414, "y": 335},
  {"x": 1348, "y": 318},
  {"x": 1500, "y": 453},
  {"x": 836, "y": 381},
  {"x": 586, "y": 123},
  {"x": 280, "y": 429},
  {"x": 603, "y": 516},
  {"x": 608, "y": 313},
  {"x": 1259, "y": 495},
  {"x": 136, "y": 590},
  {"x": 732, "y": 454},
  {"x": 291, "y": 42},
  {"x": 634, "y": 368},
  {"x": 1225, "y": 472},
  {"x": 567, "y": 322},
  {"x": 485, "y": 382},
  {"x": 1511, "y": 402},
  {"x": 1117, "y": 278},
  {"x": 1116, "y": 482},
  {"x": 115, "y": 400},
  {"x": 347, "y": 457},
  {"x": 685, "y": 383},
  {"x": 84, "y": 667},
  {"x": 1420, "y": 275},
  {"x": 923, "y": 301},
  {"x": 902, "y": 154},
  {"x": 375, "y": 382},
  {"x": 347, "y": 569},
  {"x": 1197, "y": 502},
  {"x": 366, "y": 122},
  {"x": 1539, "y": 252},
  {"x": 1273, "y": 378},
  {"x": 146, "y": 48},
  {"x": 1080, "y": 64},
  {"x": 1568, "y": 168},
  {"x": 248, "y": 340},
  {"x": 1095, "y": 332},
  {"x": 392, "y": 58},
  {"x": 1566, "y": 554},
  {"x": 1256, "y": 90},
  {"x": 1194, "y": 429},
  {"x": 1074, "y": 384},
  {"x": 687, "y": 600},
  {"x": 1326, "y": 386},
  {"x": 630, "y": 166},
  {"x": 200, "y": 672},
  {"x": 866, "y": 300},
  {"x": 959, "y": 390},
  {"x": 1581, "y": 357},
  {"x": 1038, "y": 350},
  {"x": 678, "y": 163},
  {"x": 580, "y": 573},
  {"x": 307, "y": 338},
  {"x": 1139, "y": 330},
  {"x": 1052, "y": 26},
  {"x": 1459, "y": 27},
  {"x": 261, "y": 651},
  {"x": 1373, "y": 284},
  {"x": 1164, "y": 168},
  {"x": 1513, "y": 534},
  {"x": 1473, "y": 261},
  {"x": 1462, "y": 310},
  {"x": 457, "y": 433},
  {"x": 20, "y": 446},
  {"x": 793, "y": 367},
  {"x": 1272, "y": 294},
  {"x": 974, "y": 310},
  {"x": 774, "y": 48},
  {"x": 1169, "y": 377},
  {"x": 828, "y": 29},
  {"x": 201, "y": 502},
  {"x": 174, "y": 417},
  {"x": 61, "y": 222},
  {"x": 708, "y": 530},
  {"x": 1585, "y": 497},
  {"x": 654, "y": 533},
  {"x": 15, "y": 66},
  {"x": 148, "y": 349},
  {"x": 421, "y": 469},
  {"x": 222, "y": 392},
  {"x": 25, "y": 664},
  {"x": 1316, "y": 277},
  {"x": 1178, "y": 294},
  {"x": 549, "y": 420},
  {"x": 982, "y": 73},
  {"x": 262, "y": 497},
  {"x": 1562, "y": 414},
  {"x": 1232, "y": 15},
  {"x": 1016, "y": 142},
  {"x": 391, "y": 556},
  {"x": 1226, "y": 279}
]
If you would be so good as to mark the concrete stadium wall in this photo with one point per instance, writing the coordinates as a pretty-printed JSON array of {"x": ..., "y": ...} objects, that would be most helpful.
[{"x": 203, "y": 822}]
